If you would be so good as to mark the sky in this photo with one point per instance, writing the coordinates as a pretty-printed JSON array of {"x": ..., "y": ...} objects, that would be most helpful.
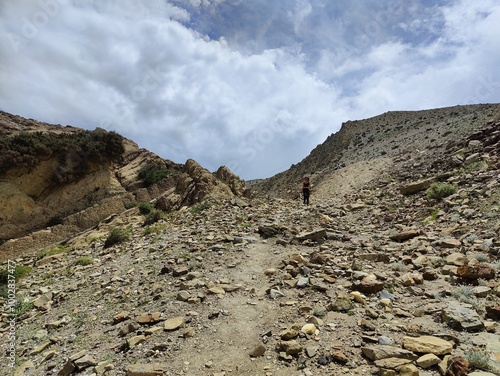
[{"x": 254, "y": 85}]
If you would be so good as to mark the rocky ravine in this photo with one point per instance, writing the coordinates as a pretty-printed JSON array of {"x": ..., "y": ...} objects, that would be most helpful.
[
  {"x": 39, "y": 208},
  {"x": 372, "y": 278}
]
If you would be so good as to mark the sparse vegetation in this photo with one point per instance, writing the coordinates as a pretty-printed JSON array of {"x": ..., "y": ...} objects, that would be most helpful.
[
  {"x": 75, "y": 152},
  {"x": 153, "y": 217},
  {"x": 399, "y": 266},
  {"x": 84, "y": 260},
  {"x": 54, "y": 250},
  {"x": 22, "y": 306},
  {"x": 478, "y": 358},
  {"x": 20, "y": 271},
  {"x": 153, "y": 229},
  {"x": 439, "y": 190},
  {"x": 200, "y": 207},
  {"x": 117, "y": 235},
  {"x": 145, "y": 208},
  {"x": 432, "y": 217},
  {"x": 465, "y": 294},
  {"x": 153, "y": 173},
  {"x": 481, "y": 257}
]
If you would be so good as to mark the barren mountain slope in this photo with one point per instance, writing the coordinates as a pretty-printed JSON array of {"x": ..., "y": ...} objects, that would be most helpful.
[
  {"x": 392, "y": 134},
  {"x": 374, "y": 277}
]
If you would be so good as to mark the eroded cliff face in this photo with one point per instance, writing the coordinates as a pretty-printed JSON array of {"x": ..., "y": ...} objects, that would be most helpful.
[
  {"x": 38, "y": 207},
  {"x": 33, "y": 199}
]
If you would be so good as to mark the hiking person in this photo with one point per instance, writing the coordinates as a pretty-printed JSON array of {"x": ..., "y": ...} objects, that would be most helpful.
[{"x": 306, "y": 190}]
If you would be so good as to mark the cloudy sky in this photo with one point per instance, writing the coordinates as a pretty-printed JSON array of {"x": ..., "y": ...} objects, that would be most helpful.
[{"x": 251, "y": 84}]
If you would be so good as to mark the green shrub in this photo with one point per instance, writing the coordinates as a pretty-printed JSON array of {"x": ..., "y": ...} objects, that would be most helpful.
[
  {"x": 153, "y": 217},
  {"x": 130, "y": 204},
  {"x": 54, "y": 250},
  {"x": 200, "y": 207},
  {"x": 441, "y": 190},
  {"x": 22, "y": 306},
  {"x": 20, "y": 271},
  {"x": 74, "y": 151},
  {"x": 478, "y": 358},
  {"x": 145, "y": 208},
  {"x": 117, "y": 235},
  {"x": 84, "y": 260},
  {"x": 153, "y": 173}
]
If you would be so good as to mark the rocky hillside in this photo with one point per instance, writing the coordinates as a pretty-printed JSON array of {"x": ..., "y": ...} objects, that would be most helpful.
[
  {"x": 392, "y": 134},
  {"x": 392, "y": 270},
  {"x": 57, "y": 181}
]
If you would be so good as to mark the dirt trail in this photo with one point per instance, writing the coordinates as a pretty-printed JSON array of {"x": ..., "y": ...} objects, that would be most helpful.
[
  {"x": 333, "y": 185},
  {"x": 243, "y": 317}
]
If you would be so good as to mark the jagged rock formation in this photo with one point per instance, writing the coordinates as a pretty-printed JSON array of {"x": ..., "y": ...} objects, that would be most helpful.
[{"x": 40, "y": 206}]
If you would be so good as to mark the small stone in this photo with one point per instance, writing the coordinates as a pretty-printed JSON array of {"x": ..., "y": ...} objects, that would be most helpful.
[
  {"x": 153, "y": 330},
  {"x": 85, "y": 362},
  {"x": 25, "y": 368},
  {"x": 270, "y": 271},
  {"x": 121, "y": 316},
  {"x": 43, "y": 302},
  {"x": 67, "y": 369},
  {"x": 392, "y": 363},
  {"x": 476, "y": 272},
  {"x": 462, "y": 317},
  {"x": 408, "y": 370},
  {"x": 290, "y": 347},
  {"x": 383, "y": 340},
  {"x": 449, "y": 243},
  {"x": 376, "y": 352},
  {"x": 48, "y": 355},
  {"x": 302, "y": 282},
  {"x": 136, "y": 340},
  {"x": 274, "y": 294},
  {"x": 308, "y": 329},
  {"x": 38, "y": 349},
  {"x": 180, "y": 271},
  {"x": 428, "y": 344},
  {"x": 259, "y": 350},
  {"x": 174, "y": 323},
  {"x": 78, "y": 355},
  {"x": 216, "y": 291},
  {"x": 152, "y": 369},
  {"x": 289, "y": 333},
  {"x": 311, "y": 351},
  {"x": 183, "y": 296},
  {"x": 339, "y": 357},
  {"x": 358, "y": 298},
  {"x": 428, "y": 360},
  {"x": 188, "y": 332},
  {"x": 385, "y": 302}
]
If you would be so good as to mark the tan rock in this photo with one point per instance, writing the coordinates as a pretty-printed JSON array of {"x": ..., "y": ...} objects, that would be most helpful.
[
  {"x": 392, "y": 363},
  {"x": 308, "y": 329},
  {"x": 428, "y": 360},
  {"x": 376, "y": 352},
  {"x": 259, "y": 350},
  {"x": 152, "y": 369},
  {"x": 408, "y": 370},
  {"x": 136, "y": 340},
  {"x": 428, "y": 344},
  {"x": 174, "y": 323}
]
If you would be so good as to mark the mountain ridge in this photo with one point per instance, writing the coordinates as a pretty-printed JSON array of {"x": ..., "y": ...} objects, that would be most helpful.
[{"x": 391, "y": 270}]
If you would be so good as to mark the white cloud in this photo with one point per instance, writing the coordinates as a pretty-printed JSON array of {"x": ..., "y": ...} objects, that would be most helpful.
[{"x": 257, "y": 102}]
